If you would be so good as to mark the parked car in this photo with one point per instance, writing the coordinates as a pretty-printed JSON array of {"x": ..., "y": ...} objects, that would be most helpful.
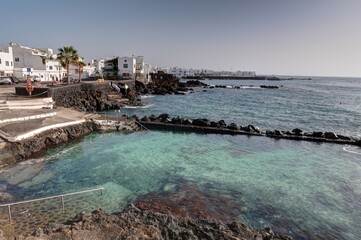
[{"x": 5, "y": 80}]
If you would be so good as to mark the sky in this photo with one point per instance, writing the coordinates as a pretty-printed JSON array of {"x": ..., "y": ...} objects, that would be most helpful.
[{"x": 281, "y": 37}]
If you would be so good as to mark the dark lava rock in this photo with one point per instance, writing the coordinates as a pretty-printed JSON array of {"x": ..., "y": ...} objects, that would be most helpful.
[
  {"x": 297, "y": 132},
  {"x": 135, "y": 117},
  {"x": 163, "y": 117},
  {"x": 152, "y": 117},
  {"x": 222, "y": 123},
  {"x": 215, "y": 124},
  {"x": 187, "y": 122},
  {"x": 177, "y": 120},
  {"x": 270, "y": 133},
  {"x": 233, "y": 126},
  {"x": 331, "y": 135},
  {"x": 135, "y": 223},
  {"x": 145, "y": 119},
  {"x": 269, "y": 87},
  {"x": 254, "y": 128},
  {"x": 251, "y": 128},
  {"x": 278, "y": 133},
  {"x": 318, "y": 134},
  {"x": 202, "y": 122},
  {"x": 195, "y": 83}
]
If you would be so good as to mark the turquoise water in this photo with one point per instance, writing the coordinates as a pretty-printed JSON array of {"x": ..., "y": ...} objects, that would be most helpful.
[
  {"x": 298, "y": 188},
  {"x": 322, "y": 104},
  {"x": 307, "y": 190}
]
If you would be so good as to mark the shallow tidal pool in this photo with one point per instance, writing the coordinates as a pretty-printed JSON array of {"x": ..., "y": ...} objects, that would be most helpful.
[{"x": 303, "y": 189}]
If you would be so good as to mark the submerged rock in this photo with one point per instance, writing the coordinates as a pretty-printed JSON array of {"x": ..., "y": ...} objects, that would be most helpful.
[{"x": 6, "y": 197}]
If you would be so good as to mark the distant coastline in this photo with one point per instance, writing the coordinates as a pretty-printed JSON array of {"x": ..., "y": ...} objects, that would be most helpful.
[{"x": 265, "y": 77}]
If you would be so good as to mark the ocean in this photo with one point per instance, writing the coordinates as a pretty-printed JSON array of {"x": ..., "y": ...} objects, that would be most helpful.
[{"x": 303, "y": 189}]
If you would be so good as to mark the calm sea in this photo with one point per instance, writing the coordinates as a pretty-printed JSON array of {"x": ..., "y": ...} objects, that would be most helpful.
[{"x": 304, "y": 189}]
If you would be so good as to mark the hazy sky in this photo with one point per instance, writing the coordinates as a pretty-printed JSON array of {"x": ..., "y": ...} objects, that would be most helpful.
[{"x": 296, "y": 37}]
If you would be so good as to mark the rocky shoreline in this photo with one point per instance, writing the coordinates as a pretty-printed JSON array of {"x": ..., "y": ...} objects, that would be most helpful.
[
  {"x": 12, "y": 152},
  {"x": 134, "y": 223},
  {"x": 165, "y": 122}
]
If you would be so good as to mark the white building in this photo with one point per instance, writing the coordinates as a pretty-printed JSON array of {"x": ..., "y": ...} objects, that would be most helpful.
[
  {"x": 245, "y": 74},
  {"x": 37, "y": 62},
  {"x": 99, "y": 66},
  {"x": 86, "y": 71},
  {"x": 126, "y": 67},
  {"x": 132, "y": 67},
  {"x": 6, "y": 61}
]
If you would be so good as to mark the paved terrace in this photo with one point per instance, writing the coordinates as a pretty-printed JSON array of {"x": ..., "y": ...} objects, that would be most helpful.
[{"x": 21, "y": 124}]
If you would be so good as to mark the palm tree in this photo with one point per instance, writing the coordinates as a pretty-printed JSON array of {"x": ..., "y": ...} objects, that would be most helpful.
[
  {"x": 80, "y": 64},
  {"x": 67, "y": 55}
]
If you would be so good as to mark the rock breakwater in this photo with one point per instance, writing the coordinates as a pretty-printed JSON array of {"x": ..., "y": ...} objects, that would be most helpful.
[{"x": 166, "y": 122}]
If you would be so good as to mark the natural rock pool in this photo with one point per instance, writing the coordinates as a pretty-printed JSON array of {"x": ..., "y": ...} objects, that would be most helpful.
[{"x": 303, "y": 189}]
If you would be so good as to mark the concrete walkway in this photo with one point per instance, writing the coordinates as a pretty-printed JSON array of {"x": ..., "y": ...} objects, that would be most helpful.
[{"x": 28, "y": 127}]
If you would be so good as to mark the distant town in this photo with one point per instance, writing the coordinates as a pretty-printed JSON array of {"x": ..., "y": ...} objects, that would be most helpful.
[{"x": 42, "y": 64}]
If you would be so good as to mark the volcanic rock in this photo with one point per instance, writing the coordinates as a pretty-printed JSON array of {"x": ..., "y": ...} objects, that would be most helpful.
[
  {"x": 202, "y": 122},
  {"x": 331, "y": 135},
  {"x": 233, "y": 126},
  {"x": 297, "y": 132}
]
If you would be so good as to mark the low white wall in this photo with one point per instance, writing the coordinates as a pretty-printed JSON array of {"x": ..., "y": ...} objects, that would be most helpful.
[
  {"x": 39, "y": 130},
  {"x": 45, "y": 115}
]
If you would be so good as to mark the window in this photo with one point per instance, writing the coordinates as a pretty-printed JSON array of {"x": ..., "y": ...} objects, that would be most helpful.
[
  {"x": 11, "y": 63},
  {"x": 0, "y": 60},
  {"x": 50, "y": 67},
  {"x": 125, "y": 60},
  {"x": 125, "y": 65},
  {"x": 7, "y": 63},
  {"x": 17, "y": 59}
]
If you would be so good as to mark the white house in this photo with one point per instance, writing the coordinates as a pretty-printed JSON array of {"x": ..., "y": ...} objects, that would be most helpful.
[
  {"x": 87, "y": 71},
  {"x": 126, "y": 66},
  {"x": 6, "y": 61},
  {"x": 37, "y": 62}
]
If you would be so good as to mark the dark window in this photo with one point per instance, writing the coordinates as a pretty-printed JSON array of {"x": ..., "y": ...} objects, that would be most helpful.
[
  {"x": 0, "y": 60},
  {"x": 125, "y": 60},
  {"x": 50, "y": 67},
  {"x": 17, "y": 59},
  {"x": 6, "y": 63},
  {"x": 125, "y": 65}
]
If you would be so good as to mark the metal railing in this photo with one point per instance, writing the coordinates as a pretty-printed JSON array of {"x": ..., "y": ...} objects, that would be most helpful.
[{"x": 8, "y": 205}]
